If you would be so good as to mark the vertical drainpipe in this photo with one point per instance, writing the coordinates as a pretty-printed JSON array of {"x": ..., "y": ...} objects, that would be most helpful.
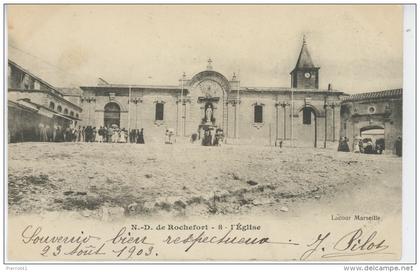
[
  {"x": 291, "y": 119},
  {"x": 129, "y": 108},
  {"x": 237, "y": 108},
  {"x": 325, "y": 121}
]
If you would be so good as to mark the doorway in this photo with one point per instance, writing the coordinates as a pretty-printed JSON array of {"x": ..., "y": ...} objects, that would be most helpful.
[
  {"x": 309, "y": 125},
  {"x": 112, "y": 114}
]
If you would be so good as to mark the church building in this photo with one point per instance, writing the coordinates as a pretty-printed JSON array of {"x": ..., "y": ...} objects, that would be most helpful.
[{"x": 302, "y": 114}]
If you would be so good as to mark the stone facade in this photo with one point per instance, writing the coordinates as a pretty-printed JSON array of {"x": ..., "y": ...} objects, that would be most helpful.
[
  {"x": 373, "y": 111},
  {"x": 22, "y": 84},
  {"x": 246, "y": 115},
  {"x": 34, "y": 104}
]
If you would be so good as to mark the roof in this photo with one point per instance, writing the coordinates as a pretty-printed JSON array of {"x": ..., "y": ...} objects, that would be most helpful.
[
  {"x": 11, "y": 103},
  {"x": 304, "y": 59},
  {"x": 178, "y": 88},
  {"x": 393, "y": 93},
  {"x": 126, "y": 86},
  {"x": 285, "y": 89},
  {"x": 34, "y": 76}
]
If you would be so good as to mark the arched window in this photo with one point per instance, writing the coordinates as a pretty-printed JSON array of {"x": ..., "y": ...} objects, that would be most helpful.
[
  {"x": 77, "y": 115},
  {"x": 112, "y": 114},
  {"x": 307, "y": 116},
  {"x": 52, "y": 105},
  {"x": 59, "y": 109},
  {"x": 71, "y": 113},
  {"x": 258, "y": 114},
  {"x": 159, "y": 111},
  {"x": 66, "y": 111}
]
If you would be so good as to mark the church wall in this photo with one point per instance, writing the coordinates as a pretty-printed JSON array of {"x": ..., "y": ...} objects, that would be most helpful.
[
  {"x": 273, "y": 126},
  {"x": 143, "y": 115},
  {"x": 194, "y": 113},
  {"x": 231, "y": 108},
  {"x": 88, "y": 107},
  {"x": 251, "y": 132},
  {"x": 154, "y": 130},
  {"x": 142, "y": 112}
]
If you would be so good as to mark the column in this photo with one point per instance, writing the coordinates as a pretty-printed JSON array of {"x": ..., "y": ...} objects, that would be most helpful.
[
  {"x": 178, "y": 117},
  {"x": 185, "y": 118},
  {"x": 226, "y": 104},
  {"x": 186, "y": 108},
  {"x": 277, "y": 121},
  {"x": 136, "y": 119},
  {"x": 284, "y": 105},
  {"x": 235, "y": 119}
]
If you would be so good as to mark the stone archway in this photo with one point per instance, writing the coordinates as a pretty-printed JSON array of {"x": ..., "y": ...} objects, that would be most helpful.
[
  {"x": 374, "y": 132},
  {"x": 208, "y": 88},
  {"x": 371, "y": 127},
  {"x": 112, "y": 114}
]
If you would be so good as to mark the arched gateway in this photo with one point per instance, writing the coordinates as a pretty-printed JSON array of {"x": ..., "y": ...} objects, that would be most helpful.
[
  {"x": 112, "y": 114},
  {"x": 208, "y": 92}
]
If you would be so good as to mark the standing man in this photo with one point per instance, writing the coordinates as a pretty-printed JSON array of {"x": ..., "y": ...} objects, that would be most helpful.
[{"x": 398, "y": 146}]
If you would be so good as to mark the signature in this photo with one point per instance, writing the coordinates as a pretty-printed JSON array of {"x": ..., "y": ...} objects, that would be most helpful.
[{"x": 354, "y": 243}]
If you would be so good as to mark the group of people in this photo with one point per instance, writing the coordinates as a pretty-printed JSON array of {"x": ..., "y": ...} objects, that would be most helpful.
[
  {"x": 213, "y": 139},
  {"x": 108, "y": 135},
  {"x": 368, "y": 145},
  {"x": 365, "y": 145},
  {"x": 57, "y": 133}
]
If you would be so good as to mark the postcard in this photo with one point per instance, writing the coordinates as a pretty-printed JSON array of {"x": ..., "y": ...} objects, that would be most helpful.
[{"x": 144, "y": 133}]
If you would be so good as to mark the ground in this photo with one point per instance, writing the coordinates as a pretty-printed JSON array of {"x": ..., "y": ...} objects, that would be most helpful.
[{"x": 119, "y": 180}]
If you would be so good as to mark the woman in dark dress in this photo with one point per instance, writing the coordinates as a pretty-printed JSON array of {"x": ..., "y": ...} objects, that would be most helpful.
[
  {"x": 398, "y": 147},
  {"x": 140, "y": 138}
]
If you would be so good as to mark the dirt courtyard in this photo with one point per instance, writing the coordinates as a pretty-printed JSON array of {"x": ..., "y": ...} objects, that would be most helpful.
[{"x": 121, "y": 180}]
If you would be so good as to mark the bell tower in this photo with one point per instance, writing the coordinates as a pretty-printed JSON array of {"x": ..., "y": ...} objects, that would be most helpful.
[{"x": 305, "y": 74}]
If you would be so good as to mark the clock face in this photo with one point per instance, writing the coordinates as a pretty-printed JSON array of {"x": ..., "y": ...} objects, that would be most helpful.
[
  {"x": 210, "y": 88},
  {"x": 307, "y": 75}
]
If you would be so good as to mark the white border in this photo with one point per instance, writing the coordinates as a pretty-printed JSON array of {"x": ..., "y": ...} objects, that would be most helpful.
[{"x": 409, "y": 132}]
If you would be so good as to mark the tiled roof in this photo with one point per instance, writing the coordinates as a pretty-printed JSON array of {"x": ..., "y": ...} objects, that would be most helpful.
[{"x": 394, "y": 93}]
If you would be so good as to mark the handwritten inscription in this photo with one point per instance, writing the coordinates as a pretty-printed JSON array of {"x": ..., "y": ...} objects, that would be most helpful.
[
  {"x": 357, "y": 243},
  {"x": 135, "y": 242}
]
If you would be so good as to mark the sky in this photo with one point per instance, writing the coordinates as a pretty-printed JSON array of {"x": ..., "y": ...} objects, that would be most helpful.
[{"x": 359, "y": 48}]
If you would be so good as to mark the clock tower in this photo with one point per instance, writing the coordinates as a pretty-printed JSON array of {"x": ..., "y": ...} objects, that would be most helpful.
[{"x": 305, "y": 74}]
